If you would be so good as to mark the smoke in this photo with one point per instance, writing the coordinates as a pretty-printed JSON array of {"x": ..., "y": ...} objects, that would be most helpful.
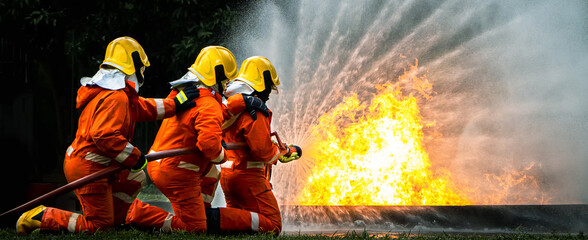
[
  {"x": 532, "y": 111},
  {"x": 511, "y": 111}
]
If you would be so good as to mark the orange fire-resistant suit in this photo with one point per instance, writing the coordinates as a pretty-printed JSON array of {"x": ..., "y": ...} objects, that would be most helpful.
[
  {"x": 104, "y": 134},
  {"x": 251, "y": 205},
  {"x": 188, "y": 181}
]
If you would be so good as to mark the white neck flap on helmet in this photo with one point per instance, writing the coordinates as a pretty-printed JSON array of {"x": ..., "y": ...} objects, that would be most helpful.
[
  {"x": 236, "y": 86},
  {"x": 111, "y": 79}
]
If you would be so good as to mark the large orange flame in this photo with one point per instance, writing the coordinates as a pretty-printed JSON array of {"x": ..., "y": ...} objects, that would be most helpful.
[{"x": 374, "y": 155}]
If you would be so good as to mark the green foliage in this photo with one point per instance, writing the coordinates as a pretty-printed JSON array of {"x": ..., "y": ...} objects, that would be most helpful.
[
  {"x": 171, "y": 31},
  {"x": 47, "y": 46},
  {"x": 42, "y": 16}
]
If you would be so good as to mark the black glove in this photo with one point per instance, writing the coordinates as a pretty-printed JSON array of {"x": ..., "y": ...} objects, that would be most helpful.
[
  {"x": 140, "y": 164},
  {"x": 253, "y": 104},
  {"x": 184, "y": 98}
]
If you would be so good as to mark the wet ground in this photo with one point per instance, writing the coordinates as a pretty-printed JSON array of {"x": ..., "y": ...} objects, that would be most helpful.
[
  {"x": 483, "y": 219},
  {"x": 411, "y": 220}
]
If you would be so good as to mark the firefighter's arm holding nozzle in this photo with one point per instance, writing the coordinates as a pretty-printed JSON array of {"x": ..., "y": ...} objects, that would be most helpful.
[
  {"x": 240, "y": 103},
  {"x": 244, "y": 96}
]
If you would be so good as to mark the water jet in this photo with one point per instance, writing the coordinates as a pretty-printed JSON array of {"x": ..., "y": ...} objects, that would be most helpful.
[{"x": 504, "y": 124}]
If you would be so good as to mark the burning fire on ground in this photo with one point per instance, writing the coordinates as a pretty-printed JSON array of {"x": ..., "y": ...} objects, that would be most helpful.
[{"x": 374, "y": 154}]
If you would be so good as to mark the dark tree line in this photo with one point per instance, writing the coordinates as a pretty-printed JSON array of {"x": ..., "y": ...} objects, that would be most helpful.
[{"x": 46, "y": 46}]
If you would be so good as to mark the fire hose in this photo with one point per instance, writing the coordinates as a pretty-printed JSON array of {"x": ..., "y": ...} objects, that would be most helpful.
[{"x": 116, "y": 168}]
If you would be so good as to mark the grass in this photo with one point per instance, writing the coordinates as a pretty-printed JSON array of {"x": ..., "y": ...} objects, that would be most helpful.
[{"x": 136, "y": 234}]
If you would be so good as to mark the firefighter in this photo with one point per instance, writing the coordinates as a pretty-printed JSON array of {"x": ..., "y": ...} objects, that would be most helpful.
[
  {"x": 189, "y": 181},
  {"x": 251, "y": 205},
  {"x": 110, "y": 107}
]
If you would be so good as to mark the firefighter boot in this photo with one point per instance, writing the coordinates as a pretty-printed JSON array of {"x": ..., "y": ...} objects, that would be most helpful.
[{"x": 30, "y": 220}]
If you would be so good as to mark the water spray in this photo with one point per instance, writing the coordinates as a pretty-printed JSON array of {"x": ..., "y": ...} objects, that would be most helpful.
[{"x": 506, "y": 119}]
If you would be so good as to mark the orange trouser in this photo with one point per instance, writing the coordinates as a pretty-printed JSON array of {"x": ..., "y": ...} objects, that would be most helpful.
[
  {"x": 182, "y": 187},
  {"x": 104, "y": 202},
  {"x": 251, "y": 205}
]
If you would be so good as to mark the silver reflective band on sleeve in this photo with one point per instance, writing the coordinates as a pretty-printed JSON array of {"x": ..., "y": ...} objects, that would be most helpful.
[
  {"x": 275, "y": 156},
  {"x": 160, "y": 108},
  {"x": 227, "y": 164},
  {"x": 122, "y": 156},
  {"x": 70, "y": 149},
  {"x": 254, "y": 222},
  {"x": 189, "y": 166},
  {"x": 220, "y": 157},
  {"x": 98, "y": 158},
  {"x": 252, "y": 164},
  {"x": 71, "y": 224},
  {"x": 167, "y": 223}
]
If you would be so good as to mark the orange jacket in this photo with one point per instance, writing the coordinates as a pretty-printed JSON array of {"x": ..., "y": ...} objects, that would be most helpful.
[
  {"x": 107, "y": 122},
  {"x": 257, "y": 136},
  {"x": 198, "y": 127}
]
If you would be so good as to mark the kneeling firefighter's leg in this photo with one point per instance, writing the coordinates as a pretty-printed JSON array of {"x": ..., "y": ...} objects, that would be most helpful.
[
  {"x": 144, "y": 215},
  {"x": 124, "y": 191},
  {"x": 234, "y": 220},
  {"x": 269, "y": 209},
  {"x": 96, "y": 201}
]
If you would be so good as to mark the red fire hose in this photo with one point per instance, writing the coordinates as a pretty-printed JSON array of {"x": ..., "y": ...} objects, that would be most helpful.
[{"x": 109, "y": 171}]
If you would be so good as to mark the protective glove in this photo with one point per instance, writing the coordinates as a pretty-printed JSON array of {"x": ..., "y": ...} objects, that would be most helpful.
[
  {"x": 287, "y": 159},
  {"x": 184, "y": 98},
  {"x": 141, "y": 164},
  {"x": 254, "y": 104},
  {"x": 293, "y": 152}
]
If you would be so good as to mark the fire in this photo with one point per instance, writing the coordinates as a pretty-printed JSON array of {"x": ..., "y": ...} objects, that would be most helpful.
[{"x": 374, "y": 155}]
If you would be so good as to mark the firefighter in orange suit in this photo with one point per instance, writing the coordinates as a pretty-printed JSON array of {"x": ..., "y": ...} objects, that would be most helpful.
[
  {"x": 110, "y": 107},
  {"x": 251, "y": 205},
  {"x": 189, "y": 181}
]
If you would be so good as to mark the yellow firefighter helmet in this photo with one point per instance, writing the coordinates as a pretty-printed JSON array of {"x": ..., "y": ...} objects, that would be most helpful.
[
  {"x": 123, "y": 53},
  {"x": 208, "y": 63},
  {"x": 255, "y": 70}
]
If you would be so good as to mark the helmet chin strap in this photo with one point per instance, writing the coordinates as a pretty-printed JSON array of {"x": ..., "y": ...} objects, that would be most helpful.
[
  {"x": 138, "y": 65},
  {"x": 220, "y": 88},
  {"x": 219, "y": 73},
  {"x": 264, "y": 95}
]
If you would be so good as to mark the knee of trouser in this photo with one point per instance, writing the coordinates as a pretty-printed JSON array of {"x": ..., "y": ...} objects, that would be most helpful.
[
  {"x": 197, "y": 227},
  {"x": 91, "y": 221},
  {"x": 102, "y": 224},
  {"x": 270, "y": 225}
]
